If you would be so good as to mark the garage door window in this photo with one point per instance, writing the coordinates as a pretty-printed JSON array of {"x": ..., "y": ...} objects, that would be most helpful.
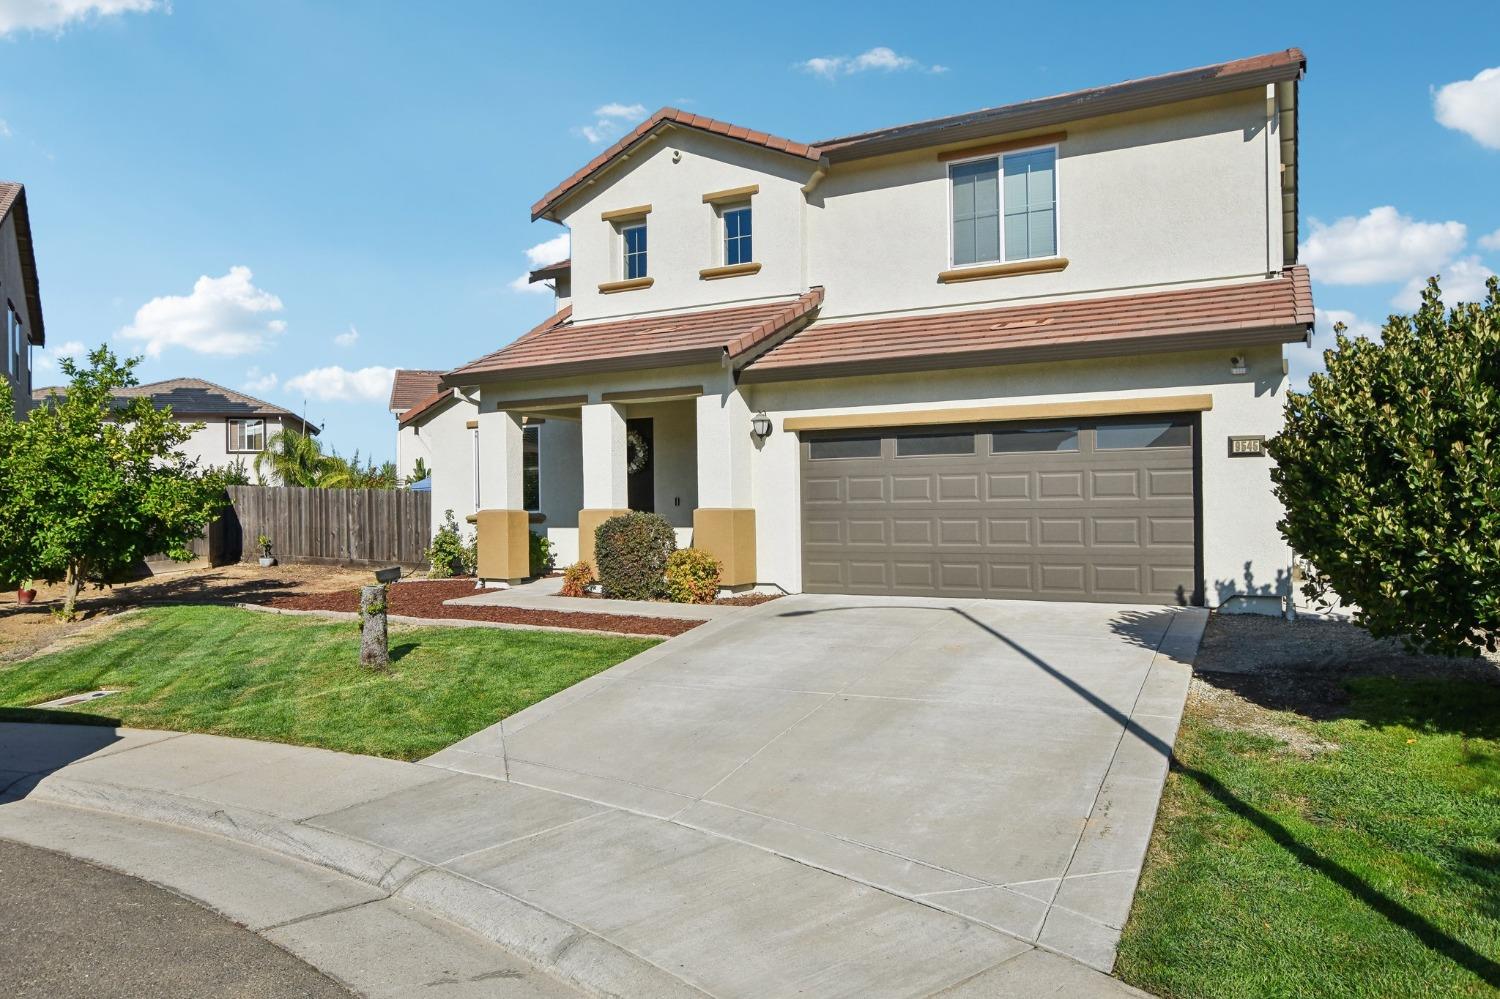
[
  {"x": 844, "y": 447},
  {"x": 1030, "y": 439},
  {"x": 1155, "y": 433},
  {"x": 917, "y": 445}
]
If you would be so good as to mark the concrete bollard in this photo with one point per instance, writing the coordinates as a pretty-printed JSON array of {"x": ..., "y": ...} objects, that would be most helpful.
[{"x": 374, "y": 649}]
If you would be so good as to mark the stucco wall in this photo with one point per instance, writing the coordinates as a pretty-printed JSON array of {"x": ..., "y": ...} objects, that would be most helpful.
[
  {"x": 1240, "y": 539},
  {"x": 12, "y": 288},
  {"x": 447, "y": 446},
  {"x": 682, "y": 232},
  {"x": 209, "y": 445}
]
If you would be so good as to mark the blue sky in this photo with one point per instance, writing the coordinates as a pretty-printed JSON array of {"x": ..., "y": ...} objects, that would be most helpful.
[{"x": 320, "y": 191}]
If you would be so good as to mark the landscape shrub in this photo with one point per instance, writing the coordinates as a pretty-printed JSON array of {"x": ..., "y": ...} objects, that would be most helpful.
[
  {"x": 692, "y": 577},
  {"x": 631, "y": 552},
  {"x": 450, "y": 553},
  {"x": 543, "y": 560},
  {"x": 576, "y": 579}
]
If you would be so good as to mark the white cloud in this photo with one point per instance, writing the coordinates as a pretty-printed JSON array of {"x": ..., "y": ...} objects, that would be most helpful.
[
  {"x": 540, "y": 255},
  {"x": 1472, "y": 107},
  {"x": 47, "y": 359},
  {"x": 1303, "y": 361},
  {"x": 880, "y": 58},
  {"x": 1461, "y": 281},
  {"x": 609, "y": 120},
  {"x": 224, "y": 315},
  {"x": 349, "y": 338},
  {"x": 5, "y": 132},
  {"x": 55, "y": 15},
  {"x": 1383, "y": 245},
  {"x": 257, "y": 382},
  {"x": 1492, "y": 241},
  {"x": 338, "y": 384}
]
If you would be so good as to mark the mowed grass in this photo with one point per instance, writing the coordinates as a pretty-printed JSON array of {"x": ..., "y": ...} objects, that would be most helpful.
[
  {"x": 298, "y": 680},
  {"x": 1358, "y": 856}
]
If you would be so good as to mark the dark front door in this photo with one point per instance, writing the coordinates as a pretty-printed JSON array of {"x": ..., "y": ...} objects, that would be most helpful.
[{"x": 640, "y": 457}]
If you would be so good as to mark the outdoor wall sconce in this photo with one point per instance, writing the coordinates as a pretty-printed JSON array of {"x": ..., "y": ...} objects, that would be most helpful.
[{"x": 760, "y": 426}]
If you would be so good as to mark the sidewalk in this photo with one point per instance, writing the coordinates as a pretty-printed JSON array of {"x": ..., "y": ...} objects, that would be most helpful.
[
  {"x": 254, "y": 829},
  {"x": 542, "y": 594}
]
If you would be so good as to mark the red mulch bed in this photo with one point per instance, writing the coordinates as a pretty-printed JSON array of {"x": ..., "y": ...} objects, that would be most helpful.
[
  {"x": 747, "y": 599},
  {"x": 426, "y": 600}
]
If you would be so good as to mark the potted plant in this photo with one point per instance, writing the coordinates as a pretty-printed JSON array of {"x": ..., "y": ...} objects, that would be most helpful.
[
  {"x": 26, "y": 592},
  {"x": 264, "y": 544}
]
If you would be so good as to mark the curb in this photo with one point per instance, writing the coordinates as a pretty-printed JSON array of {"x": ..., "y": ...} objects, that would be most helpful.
[{"x": 566, "y": 950}]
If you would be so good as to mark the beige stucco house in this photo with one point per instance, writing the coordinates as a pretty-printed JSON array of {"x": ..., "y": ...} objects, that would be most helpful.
[
  {"x": 20, "y": 298},
  {"x": 1028, "y": 351}
]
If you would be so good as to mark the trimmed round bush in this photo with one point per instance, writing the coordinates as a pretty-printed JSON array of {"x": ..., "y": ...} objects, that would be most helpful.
[
  {"x": 692, "y": 577},
  {"x": 631, "y": 552}
]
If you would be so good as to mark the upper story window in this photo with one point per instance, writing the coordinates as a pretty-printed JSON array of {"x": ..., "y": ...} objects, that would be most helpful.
[
  {"x": 737, "y": 242},
  {"x": 633, "y": 239},
  {"x": 247, "y": 435},
  {"x": 1005, "y": 208}
]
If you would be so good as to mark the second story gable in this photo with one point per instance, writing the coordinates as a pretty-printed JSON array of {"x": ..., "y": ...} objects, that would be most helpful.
[{"x": 1150, "y": 184}]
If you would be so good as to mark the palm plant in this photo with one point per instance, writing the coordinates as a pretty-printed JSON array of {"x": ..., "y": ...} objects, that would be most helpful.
[{"x": 294, "y": 459}]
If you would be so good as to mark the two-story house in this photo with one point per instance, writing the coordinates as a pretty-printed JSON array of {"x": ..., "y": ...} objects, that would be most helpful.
[
  {"x": 20, "y": 299},
  {"x": 1029, "y": 351},
  {"x": 235, "y": 429}
]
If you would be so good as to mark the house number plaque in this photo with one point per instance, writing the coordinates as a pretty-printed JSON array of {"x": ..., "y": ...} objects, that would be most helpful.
[{"x": 1249, "y": 446}]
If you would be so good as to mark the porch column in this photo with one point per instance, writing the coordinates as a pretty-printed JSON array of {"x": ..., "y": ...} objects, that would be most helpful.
[
  {"x": 724, "y": 522},
  {"x": 604, "y": 476},
  {"x": 504, "y": 547}
]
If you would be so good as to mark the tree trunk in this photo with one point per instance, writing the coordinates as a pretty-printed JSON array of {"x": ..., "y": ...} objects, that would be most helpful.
[
  {"x": 70, "y": 592},
  {"x": 374, "y": 652}
]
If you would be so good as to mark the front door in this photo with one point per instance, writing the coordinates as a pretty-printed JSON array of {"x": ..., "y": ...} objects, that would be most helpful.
[{"x": 640, "y": 466}]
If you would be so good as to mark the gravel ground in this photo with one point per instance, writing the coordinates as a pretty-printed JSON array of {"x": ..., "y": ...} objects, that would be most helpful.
[
  {"x": 425, "y": 599},
  {"x": 70, "y": 930}
]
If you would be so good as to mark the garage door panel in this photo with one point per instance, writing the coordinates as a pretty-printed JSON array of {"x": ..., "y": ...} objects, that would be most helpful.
[{"x": 1080, "y": 524}]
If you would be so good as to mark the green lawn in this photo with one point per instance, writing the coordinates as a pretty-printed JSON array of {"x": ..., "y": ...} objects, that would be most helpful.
[
  {"x": 288, "y": 679},
  {"x": 1358, "y": 856}
]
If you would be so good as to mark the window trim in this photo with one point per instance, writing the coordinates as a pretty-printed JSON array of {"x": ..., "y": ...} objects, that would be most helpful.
[
  {"x": 229, "y": 423},
  {"x": 947, "y": 274}
]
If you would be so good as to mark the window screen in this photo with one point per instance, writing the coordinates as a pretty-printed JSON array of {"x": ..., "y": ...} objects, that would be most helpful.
[
  {"x": 844, "y": 447},
  {"x": 1152, "y": 433},
  {"x": 1031, "y": 204}
]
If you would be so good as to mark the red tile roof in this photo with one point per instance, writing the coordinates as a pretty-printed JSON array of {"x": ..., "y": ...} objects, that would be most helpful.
[
  {"x": 558, "y": 347},
  {"x": 13, "y": 202},
  {"x": 1130, "y": 95},
  {"x": 669, "y": 116},
  {"x": 550, "y": 271},
  {"x": 1274, "y": 310},
  {"x": 412, "y": 385}
]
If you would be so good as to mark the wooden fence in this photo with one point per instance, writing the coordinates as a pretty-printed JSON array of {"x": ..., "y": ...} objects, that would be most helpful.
[{"x": 332, "y": 526}]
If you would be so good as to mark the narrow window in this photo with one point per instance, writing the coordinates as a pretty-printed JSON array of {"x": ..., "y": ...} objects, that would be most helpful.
[
  {"x": 976, "y": 212},
  {"x": 531, "y": 468},
  {"x": 1029, "y": 439},
  {"x": 737, "y": 249},
  {"x": 844, "y": 447},
  {"x": 1031, "y": 204},
  {"x": 1155, "y": 433},
  {"x": 916, "y": 445},
  {"x": 634, "y": 239}
]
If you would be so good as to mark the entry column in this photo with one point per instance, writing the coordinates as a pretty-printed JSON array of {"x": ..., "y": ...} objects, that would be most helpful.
[
  {"x": 724, "y": 522},
  {"x": 502, "y": 522},
  {"x": 604, "y": 472}
]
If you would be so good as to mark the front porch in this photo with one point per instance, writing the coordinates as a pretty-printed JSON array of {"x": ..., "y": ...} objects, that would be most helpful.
[{"x": 681, "y": 451}]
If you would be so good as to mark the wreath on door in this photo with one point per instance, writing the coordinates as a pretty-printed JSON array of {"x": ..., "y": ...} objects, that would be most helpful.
[{"x": 636, "y": 452}]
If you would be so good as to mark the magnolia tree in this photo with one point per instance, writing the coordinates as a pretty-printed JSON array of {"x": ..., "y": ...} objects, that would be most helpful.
[
  {"x": 1389, "y": 469},
  {"x": 92, "y": 486}
]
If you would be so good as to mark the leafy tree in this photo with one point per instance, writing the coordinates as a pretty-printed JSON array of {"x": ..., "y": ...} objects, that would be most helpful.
[
  {"x": 1389, "y": 469},
  {"x": 94, "y": 484}
]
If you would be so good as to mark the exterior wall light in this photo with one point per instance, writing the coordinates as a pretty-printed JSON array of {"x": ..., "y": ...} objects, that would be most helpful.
[{"x": 760, "y": 426}]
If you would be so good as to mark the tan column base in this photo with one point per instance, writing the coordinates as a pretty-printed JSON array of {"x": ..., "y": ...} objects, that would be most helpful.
[
  {"x": 504, "y": 544},
  {"x": 588, "y": 523},
  {"x": 728, "y": 534}
]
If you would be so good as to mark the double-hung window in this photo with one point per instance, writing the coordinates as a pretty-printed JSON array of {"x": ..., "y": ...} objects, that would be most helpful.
[
  {"x": 1005, "y": 207},
  {"x": 737, "y": 241},
  {"x": 633, "y": 238},
  {"x": 247, "y": 435}
]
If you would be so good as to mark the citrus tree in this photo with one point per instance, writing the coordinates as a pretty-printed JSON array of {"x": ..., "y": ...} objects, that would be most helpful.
[
  {"x": 93, "y": 483},
  {"x": 1389, "y": 470}
]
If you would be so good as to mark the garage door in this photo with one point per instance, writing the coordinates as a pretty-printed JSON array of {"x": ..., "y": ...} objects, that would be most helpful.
[{"x": 1099, "y": 510}]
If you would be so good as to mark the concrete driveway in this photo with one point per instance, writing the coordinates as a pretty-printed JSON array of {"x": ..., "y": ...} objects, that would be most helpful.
[{"x": 996, "y": 763}]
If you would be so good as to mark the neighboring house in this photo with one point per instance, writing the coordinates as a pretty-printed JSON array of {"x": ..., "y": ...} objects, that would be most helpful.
[
  {"x": 410, "y": 388},
  {"x": 20, "y": 299},
  {"x": 1024, "y": 352},
  {"x": 442, "y": 430},
  {"x": 235, "y": 428}
]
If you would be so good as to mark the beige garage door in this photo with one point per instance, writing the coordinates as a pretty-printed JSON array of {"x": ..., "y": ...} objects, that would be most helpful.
[{"x": 1100, "y": 510}]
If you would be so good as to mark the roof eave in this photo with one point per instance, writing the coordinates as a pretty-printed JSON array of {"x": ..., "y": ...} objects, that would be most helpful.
[{"x": 564, "y": 369}]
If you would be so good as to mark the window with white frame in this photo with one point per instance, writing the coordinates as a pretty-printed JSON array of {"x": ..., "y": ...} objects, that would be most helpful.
[
  {"x": 633, "y": 240},
  {"x": 247, "y": 435},
  {"x": 738, "y": 246},
  {"x": 531, "y": 468},
  {"x": 1004, "y": 207}
]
